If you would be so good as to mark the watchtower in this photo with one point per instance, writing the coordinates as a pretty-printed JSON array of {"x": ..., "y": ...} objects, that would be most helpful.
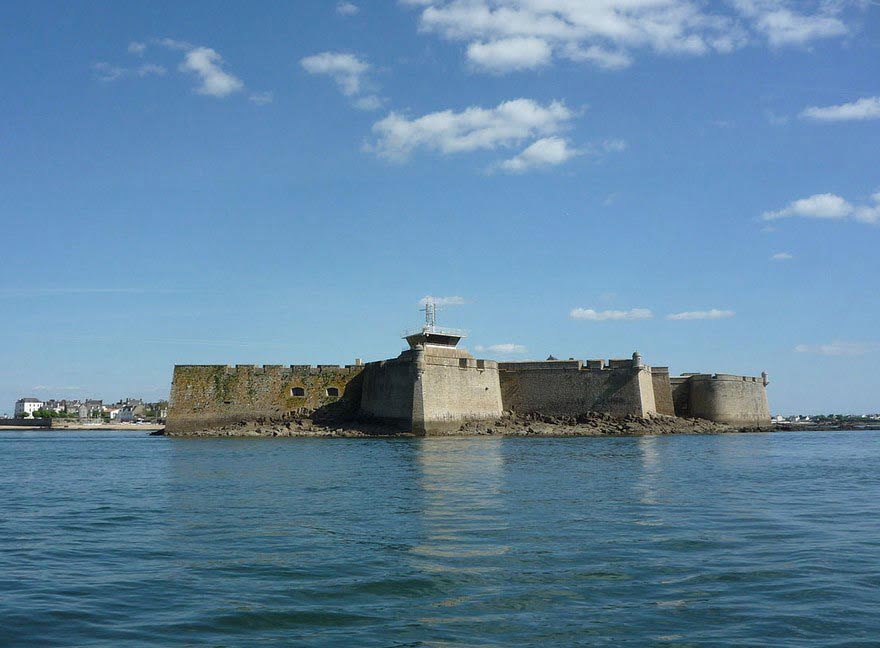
[{"x": 430, "y": 333}]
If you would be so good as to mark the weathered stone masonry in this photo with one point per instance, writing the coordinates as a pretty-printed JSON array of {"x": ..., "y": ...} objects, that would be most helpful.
[
  {"x": 210, "y": 396},
  {"x": 433, "y": 388}
]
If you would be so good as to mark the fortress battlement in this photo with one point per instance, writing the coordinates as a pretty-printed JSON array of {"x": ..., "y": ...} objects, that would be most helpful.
[
  {"x": 569, "y": 365},
  {"x": 433, "y": 387},
  {"x": 721, "y": 376},
  {"x": 280, "y": 369}
]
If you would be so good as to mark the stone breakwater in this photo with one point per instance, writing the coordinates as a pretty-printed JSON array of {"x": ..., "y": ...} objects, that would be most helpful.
[{"x": 590, "y": 424}]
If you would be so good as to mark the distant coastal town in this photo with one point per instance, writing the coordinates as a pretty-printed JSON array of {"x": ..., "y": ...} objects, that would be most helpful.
[{"x": 91, "y": 411}]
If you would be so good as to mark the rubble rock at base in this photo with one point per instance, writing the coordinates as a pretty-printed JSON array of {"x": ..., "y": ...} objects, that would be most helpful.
[{"x": 591, "y": 424}]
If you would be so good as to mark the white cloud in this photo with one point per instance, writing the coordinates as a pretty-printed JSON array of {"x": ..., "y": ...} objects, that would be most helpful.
[
  {"x": 509, "y": 54},
  {"x": 369, "y": 102},
  {"x": 174, "y": 44},
  {"x": 347, "y": 9},
  {"x": 839, "y": 348},
  {"x": 598, "y": 56},
  {"x": 782, "y": 256},
  {"x": 712, "y": 314},
  {"x": 610, "y": 146},
  {"x": 261, "y": 98},
  {"x": 346, "y": 70},
  {"x": 105, "y": 72},
  {"x": 206, "y": 63},
  {"x": 447, "y": 132},
  {"x": 783, "y": 26},
  {"x": 816, "y": 206},
  {"x": 351, "y": 75},
  {"x": 865, "y": 108},
  {"x": 607, "y": 32},
  {"x": 870, "y": 215},
  {"x": 453, "y": 300},
  {"x": 507, "y": 348},
  {"x": 599, "y": 316},
  {"x": 829, "y": 206},
  {"x": 137, "y": 48},
  {"x": 548, "y": 151}
]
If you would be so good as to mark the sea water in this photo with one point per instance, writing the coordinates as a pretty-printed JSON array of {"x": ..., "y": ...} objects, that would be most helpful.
[{"x": 117, "y": 538}]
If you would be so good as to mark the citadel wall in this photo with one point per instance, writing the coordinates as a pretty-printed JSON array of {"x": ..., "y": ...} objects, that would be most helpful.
[
  {"x": 662, "y": 391},
  {"x": 681, "y": 395},
  {"x": 573, "y": 387},
  {"x": 725, "y": 398},
  {"x": 431, "y": 390},
  {"x": 451, "y": 388},
  {"x": 211, "y": 396},
  {"x": 388, "y": 391}
]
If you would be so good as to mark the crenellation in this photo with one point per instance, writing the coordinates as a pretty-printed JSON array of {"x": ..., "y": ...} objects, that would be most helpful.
[{"x": 434, "y": 387}]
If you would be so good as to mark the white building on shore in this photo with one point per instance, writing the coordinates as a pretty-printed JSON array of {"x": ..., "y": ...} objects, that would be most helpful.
[{"x": 27, "y": 406}]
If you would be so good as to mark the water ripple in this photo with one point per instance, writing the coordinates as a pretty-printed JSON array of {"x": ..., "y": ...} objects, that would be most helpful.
[{"x": 111, "y": 539}]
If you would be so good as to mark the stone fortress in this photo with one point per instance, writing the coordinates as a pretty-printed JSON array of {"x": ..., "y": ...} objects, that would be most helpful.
[{"x": 434, "y": 387}]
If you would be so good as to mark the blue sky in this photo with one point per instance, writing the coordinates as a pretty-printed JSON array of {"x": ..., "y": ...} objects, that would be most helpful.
[{"x": 283, "y": 182}]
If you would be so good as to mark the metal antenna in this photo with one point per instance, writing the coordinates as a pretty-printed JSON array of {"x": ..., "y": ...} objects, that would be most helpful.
[{"x": 430, "y": 313}]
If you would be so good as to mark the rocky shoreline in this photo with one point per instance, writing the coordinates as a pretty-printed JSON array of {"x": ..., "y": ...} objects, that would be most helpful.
[{"x": 592, "y": 424}]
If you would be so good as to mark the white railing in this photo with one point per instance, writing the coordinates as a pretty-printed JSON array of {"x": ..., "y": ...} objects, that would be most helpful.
[{"x": 436, "y": 330}]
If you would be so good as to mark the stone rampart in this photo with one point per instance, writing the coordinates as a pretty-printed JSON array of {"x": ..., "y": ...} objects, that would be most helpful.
[
  {"x": 729, "y": 399},
  {"x": 431, "y": 389},
  {"x": 210, "y": 396},
  {"x": 572, "y": 387},
  {"x": 662, "y": 391},
  {"x": 453, "y": 388},
  {"x": 388, "y": 391},
  {"x": 681, "y": 395}
]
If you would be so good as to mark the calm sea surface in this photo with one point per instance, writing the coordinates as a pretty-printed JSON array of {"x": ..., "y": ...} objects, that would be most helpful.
[{"x": 110, "y": 539}]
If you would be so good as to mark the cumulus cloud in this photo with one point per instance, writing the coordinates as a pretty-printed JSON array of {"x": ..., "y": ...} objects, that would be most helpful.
[
  {"x": 599, "y": 56},
  {"x": 548, "y": 151},
  {"x": 712, "y": 314},
  {"x": 816, "y": 206},
  {"x": 453, "y": 300},
  {"x": 137, "y": 48},
  {"x": 862, "y": 109},
  {"x": 507, "y": 348},
  {"x": 350, "y": 74},
  {"x": 206, "y": 64},
  {"x": 347, "y": 9},
  {"x": 347, "y": 70},
  {"x": 448, "y": 132},
  {"x": 508, "y": 54},
  {"x": 839, "y": 348},
  {"x": 782, "y": 256},
  {"x": 599, "y": 316},
  {"x": 782, "y": 25},
  {"x": 505, "y": 35},
  {"x": 829, "y": 206}
]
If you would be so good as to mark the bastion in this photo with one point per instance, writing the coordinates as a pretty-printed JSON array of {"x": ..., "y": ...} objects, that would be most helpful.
[{"x": 434, "y": 388}]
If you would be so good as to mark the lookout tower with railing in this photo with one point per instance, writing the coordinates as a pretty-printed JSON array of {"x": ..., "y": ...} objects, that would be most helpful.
[{"x": 430, "y": 333}]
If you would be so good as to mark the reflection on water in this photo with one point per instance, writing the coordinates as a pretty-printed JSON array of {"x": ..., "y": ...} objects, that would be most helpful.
[
  {"x": 463, "y": 512},
  {"x": 464, "y": 523},
  {"x": 717, "y": 540}
]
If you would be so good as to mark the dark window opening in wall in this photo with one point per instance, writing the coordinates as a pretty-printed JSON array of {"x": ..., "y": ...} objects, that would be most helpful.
[
  {"x": 333, "y": 391},
  {"x": 297, "y": 391}
]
